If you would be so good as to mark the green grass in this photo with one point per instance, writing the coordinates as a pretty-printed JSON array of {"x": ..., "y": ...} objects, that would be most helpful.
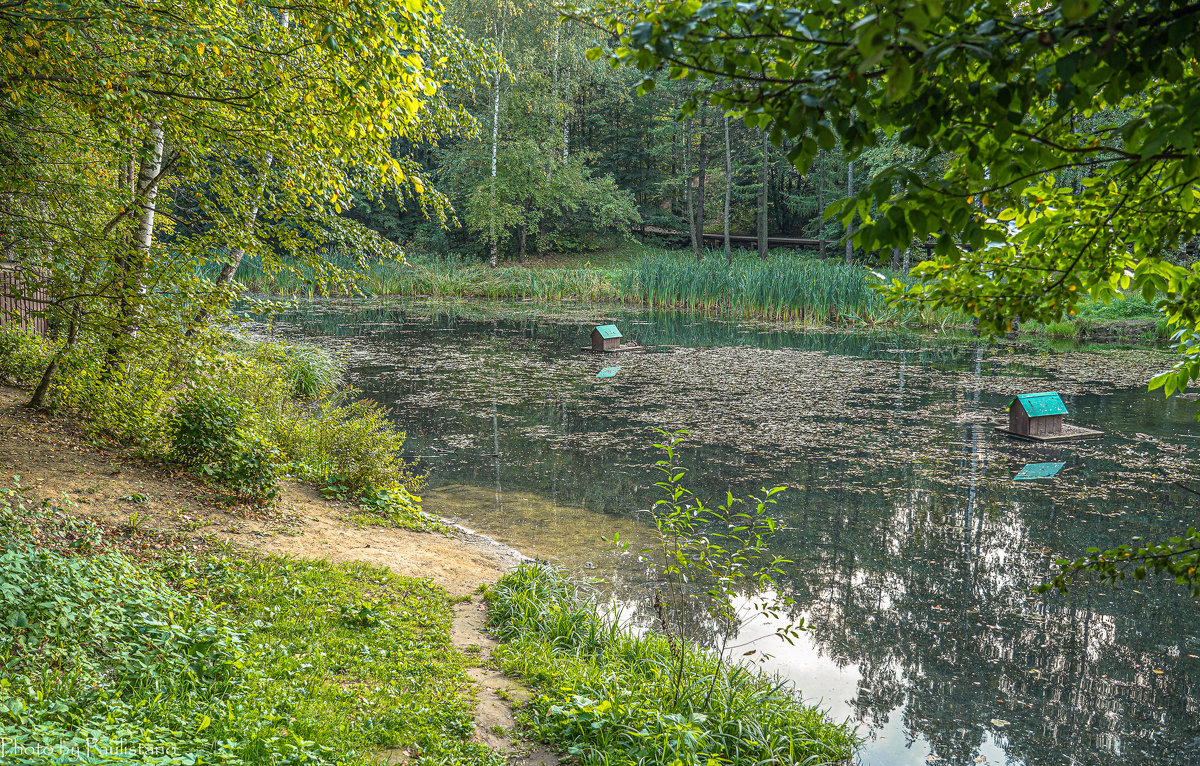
[
  {"x": 606, "y": 696},
  {"x": 217, "y": 659},
  {"x": 787, "y": 286},
  {"x": 1132, "y": 307},
  {"x": 779, "y": 288}
]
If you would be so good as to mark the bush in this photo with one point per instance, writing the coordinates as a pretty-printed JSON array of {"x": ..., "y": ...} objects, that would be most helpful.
[
  {"x": 205, "y": 427},
  {"x": 353, "y": 443},
  {"x": 307, "y": 371},
  {"x": 1132, "y": 307},
  {"x": 250, "y": 474},
  {"x": 207, "y": 434},
  {"x": 130, "y": 403},
  {"x": 23, "y": 356}
]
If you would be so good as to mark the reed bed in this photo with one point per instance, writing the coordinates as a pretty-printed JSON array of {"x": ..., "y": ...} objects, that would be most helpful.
[
  {"x": 778, "y": 288},
  {"x": 786, "y": 286}
]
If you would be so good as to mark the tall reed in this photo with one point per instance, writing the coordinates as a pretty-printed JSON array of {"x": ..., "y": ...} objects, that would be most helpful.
[{"x": 787, "y": 286}]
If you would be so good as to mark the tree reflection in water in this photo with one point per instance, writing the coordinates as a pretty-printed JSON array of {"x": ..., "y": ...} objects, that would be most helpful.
[{"x": 914, "y": 555}]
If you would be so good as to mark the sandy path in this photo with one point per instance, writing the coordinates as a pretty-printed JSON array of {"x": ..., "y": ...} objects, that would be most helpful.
[{"x": 56, "y": 462}]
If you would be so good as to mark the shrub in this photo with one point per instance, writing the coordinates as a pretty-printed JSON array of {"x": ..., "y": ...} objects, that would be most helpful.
[
  {"x": 129, "y": 403},
  {"x": 250, "y": 474},
  {"x": 205, "y": 427},
  {"x": 307, "y": 371},
  {"x": 207, "y": 434},
  {"x": 23, "y": 356},
  {"x": 354, "y": 443}
]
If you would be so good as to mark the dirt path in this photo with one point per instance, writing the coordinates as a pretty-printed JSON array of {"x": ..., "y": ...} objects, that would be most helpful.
[{"x": 56, "y": 462}]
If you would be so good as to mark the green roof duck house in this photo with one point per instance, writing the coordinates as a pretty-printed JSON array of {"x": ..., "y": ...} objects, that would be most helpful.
[
  {"x": 1039, "y": 417},
  {"x": 606, "y": 337}
]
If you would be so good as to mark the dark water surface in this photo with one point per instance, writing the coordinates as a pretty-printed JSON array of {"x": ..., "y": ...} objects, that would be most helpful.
[{"x": 914, "y": 549}]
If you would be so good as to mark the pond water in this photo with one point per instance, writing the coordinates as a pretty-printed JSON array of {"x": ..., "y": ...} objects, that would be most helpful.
[{"x": 914, "y": 549}]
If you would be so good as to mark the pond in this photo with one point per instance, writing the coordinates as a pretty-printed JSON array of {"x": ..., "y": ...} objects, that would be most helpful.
[{"x": 914, "y": 551}]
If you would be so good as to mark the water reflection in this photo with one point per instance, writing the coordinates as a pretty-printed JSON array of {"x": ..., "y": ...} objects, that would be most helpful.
[{"x": 914, "y": 550}]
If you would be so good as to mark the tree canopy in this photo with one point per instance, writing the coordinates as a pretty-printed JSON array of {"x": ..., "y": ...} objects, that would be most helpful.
[
  {"x": 1055, "y": 147},
  {"x": 142, "y": 140}
]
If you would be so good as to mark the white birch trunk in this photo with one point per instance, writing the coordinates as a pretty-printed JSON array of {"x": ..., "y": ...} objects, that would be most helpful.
[
  {"x": 850, "y": 223},
  {"x": 495, "y": 246},
  {"x": 728, "y": 191}
]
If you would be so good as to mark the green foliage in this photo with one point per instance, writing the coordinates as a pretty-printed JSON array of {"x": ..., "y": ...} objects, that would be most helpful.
[
  {"x": 129, "y": 403},
  {"x": 389, "y": 508},
  {"x": 261, "y": 409},
  {"x": 608, "y": 697},
  {"x": 1133, "y": 306},
  {"x": 1046, "y": 168},
  {"x": 23, "y": 355},
  {"x": 205, "y": 426},
  {"x": 207, "y": 434},
  {"x": 222, "y": 661},
  {"x": 710, "y": 558},
  {"x": 1177, "y": 558},
  {"x": 787, "y": 286},
  {"x": 309, "y": 371},
  {"x": 784, "y": 287},
  {"x": 351, "y": 441}
]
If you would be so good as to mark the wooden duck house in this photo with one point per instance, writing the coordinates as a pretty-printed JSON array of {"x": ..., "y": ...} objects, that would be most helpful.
[
  {"x": 606, "y": 337},
  {"x": 1036, "y": 414},
  {"x": 1039, "y": 417}
]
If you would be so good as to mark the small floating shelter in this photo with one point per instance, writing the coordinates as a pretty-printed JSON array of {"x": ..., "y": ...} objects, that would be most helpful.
[
  {"x": 1039, "y": 417},
  {"x": 606, "y": 337}
]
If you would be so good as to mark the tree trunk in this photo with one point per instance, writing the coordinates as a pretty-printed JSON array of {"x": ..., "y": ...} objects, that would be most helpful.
[
  {"x": 38, "y": 399},
  {"x": 558, "y": 95},
  {"x": 134, "y": 265},
  {"x": 762, "y": 202},
  {"x": 687, "y": 173},
  {"x": 521, "y": 252},
  {"x": 850, "y": 223},
  {"x": 566, "y": 153},
  {"x": 728, "y": 191},
  {"x": 703, "y": 163},
  {"x": 495, "y": 247},
  {"x": 821, "y": 204}
]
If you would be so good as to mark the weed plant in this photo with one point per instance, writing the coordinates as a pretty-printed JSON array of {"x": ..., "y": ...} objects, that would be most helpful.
[
  {"x": 607, "y": 695},
  {"x": 611, "y": 696},
  {"x": 217, "y": 660}
]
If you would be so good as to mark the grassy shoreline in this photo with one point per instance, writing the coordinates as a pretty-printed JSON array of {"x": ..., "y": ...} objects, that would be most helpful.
[
  {"x": 787, "y": 287},
  {"x": 605, "y": 694},
  {"x": 123, "y": 642}
]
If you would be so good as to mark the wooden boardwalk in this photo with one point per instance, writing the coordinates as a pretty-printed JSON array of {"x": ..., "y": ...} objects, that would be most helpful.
[{"x": 751, "y": 240}]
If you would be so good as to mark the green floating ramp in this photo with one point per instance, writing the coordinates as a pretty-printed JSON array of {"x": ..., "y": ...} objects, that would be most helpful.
[{"x": 1038, "y": 471}]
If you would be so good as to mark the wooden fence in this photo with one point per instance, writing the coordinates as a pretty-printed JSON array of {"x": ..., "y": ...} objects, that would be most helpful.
[{"x": 19, "y": 299}]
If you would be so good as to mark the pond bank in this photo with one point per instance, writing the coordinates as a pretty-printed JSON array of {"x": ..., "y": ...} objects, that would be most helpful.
[
  {"x": 56, "y": 464},
  {"x": 322, "y": 589}
]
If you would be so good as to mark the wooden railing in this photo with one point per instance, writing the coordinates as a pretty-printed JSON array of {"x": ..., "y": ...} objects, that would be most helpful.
[{"x": 21, "y": 299}]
